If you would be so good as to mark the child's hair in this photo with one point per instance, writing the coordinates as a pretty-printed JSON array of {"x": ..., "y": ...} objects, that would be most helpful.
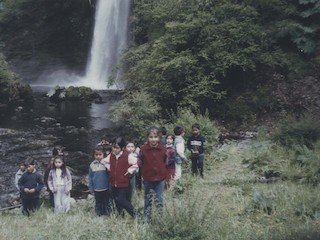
[
  {"x": 171, "y": 135},
  {"x": 107, "y": 148},
  {"x": 196, "y": 125},
  {"x": 135, "y": 142},
  {"x": 130, "y": 141},
  {"x": 178, "y": 130},
  {"x": 154, "y": 130},
  {"x": 105, "y": 138},
  {"x": 63, "y": 166},
  {"x": 22, "y": 164},
  {"x": 99, "y": 148},
  {"x": 119, "y": 141},
  {"x": 163, "y": 130},
  {"x": 57, "y": 151},
  {"x": 29, "y": 161}
]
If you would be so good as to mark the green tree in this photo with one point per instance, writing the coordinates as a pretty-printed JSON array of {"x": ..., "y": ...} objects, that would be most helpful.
[
  {"x": 46, "y": 31},
  {"x": 187, "y": 51}
]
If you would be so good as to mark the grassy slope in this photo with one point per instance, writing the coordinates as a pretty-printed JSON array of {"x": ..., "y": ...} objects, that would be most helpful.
[{"x": 220, "y": 206}]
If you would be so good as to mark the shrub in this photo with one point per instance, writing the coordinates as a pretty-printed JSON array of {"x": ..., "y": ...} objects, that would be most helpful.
[
  {"x": 309, "y": 162},
  {"x": 137, "y": 111},
  {"x": 304, "y": 131},
  {"x": 185, "y": 117},
  {"x": 265, "y": 158},
  {"x": 183, "y": 220},
  {"x": 260, "y": 201}
]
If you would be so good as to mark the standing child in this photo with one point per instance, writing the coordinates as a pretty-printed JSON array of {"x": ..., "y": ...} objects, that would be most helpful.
[
  {"x": 180, "y": 148},
  {"x": 163, "y": 135},
  {"x": 196, "y": 145},
  {"x": 171, "y": 159},
  {"x": 99, "y": 182},
  {"x": 138, "y": 174},
  {"x": 60, "y": 184},
  {"x": 130, "y": 148},
  {"x": 30, "y": 185},
  {"x": 122, "y": 165},
  {"x": 57, "y": 151},
  {"x": 152, "y": 159},
  {"x": 21, "y": 171}
]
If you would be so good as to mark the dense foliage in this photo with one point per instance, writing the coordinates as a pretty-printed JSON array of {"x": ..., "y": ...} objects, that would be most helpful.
[
  {"x": 10, "y": 89},
  {"x": 220, "y": 55},
  {"x": 223, "y": 56},
  {"x": 36, "y": 34}
]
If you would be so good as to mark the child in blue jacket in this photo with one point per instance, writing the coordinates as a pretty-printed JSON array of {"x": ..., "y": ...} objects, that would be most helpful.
[{"x": 99, "y": 182}]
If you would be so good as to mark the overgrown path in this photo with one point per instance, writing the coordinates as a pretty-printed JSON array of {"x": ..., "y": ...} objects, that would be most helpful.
[{"x": 225, "y": 180}]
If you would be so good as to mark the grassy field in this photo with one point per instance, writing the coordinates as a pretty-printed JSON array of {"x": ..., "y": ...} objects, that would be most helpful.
[{"x": 231, "y": 202}]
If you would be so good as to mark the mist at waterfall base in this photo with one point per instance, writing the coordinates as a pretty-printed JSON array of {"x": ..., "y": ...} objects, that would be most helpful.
[{"x": 110, "y": 38}]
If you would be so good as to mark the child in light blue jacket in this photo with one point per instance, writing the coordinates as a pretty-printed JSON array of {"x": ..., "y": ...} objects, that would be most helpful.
[{"x": 99, "y": 182}]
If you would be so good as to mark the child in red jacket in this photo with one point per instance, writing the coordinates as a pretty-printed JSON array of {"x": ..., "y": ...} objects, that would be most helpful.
[
  {"x": 152, "y": 159},
  {"x": 121, "y": 165}
]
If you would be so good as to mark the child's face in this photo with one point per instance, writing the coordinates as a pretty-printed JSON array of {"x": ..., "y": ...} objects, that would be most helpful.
[
  {"x": 98, "y": 155},
  {"x": 116, "y": 149},
  {"x": 104, "y": 142},
  {"x": 195, "y": 131},
  {"x": 31, "y": 168},
  {"x": 58, "y": 163},
  {"x": 130, "y": 147},
  {"x": 153, "y": 139},
  {"x": 169, "y": 140},
  {"x": 22, "y": 167}
]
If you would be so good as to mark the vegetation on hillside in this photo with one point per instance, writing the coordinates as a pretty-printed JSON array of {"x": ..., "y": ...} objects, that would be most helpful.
[
  {"x": 10, "y": 89},
  {"x": 223, "y": 56},
  {"x": 38, "y": 34}
]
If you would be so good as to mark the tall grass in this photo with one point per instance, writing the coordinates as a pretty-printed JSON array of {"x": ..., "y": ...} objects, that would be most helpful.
[{"x": 227, "y": 204}]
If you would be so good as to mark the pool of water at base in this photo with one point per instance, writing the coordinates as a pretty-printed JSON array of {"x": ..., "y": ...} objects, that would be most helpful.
[{"x": 90, "y": 115}]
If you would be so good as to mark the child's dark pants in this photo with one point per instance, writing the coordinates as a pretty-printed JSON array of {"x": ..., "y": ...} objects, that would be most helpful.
[
  {"x": 102, "y": 206},
  {"x": 120, "y": 197},
  {"x": 30, "y": 205},
  {"x": 197, "y": 165}
]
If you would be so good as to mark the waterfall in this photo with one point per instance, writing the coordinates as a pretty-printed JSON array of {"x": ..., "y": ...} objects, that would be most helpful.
[{"x": 109, "y": 40}]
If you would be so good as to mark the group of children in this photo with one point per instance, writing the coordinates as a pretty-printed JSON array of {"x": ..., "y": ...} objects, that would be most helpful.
[
  {"x": 118, "y": 167},
  {"x": 57, "y": 179}
]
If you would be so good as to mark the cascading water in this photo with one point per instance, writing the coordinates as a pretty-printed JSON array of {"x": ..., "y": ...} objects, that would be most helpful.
[{"x": 109, "y": 40}]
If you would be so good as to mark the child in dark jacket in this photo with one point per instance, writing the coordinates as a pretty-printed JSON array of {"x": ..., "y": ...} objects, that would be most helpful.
[
  {"x": 30, "y": 185},
  {"x": 99, "y": 182},
  {"x": 196, "y": 145}
]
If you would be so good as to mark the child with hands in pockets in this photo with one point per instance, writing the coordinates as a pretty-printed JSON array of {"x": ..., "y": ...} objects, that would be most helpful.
[{"x": 60, "y": 184}]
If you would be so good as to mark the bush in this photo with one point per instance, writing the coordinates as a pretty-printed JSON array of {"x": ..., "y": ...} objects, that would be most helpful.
[
  {"x": 183, "y": 220},
  {"x": 264, "y": 158},
  {"x": 58, "y": 94},
  {"x": 137, "y": 111},
  {"x": 309, "y": 162},
  {"x": 304, "y": 131},
  {"x": 260, "y": 201},
  {"x": 185, "y": 118}
]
